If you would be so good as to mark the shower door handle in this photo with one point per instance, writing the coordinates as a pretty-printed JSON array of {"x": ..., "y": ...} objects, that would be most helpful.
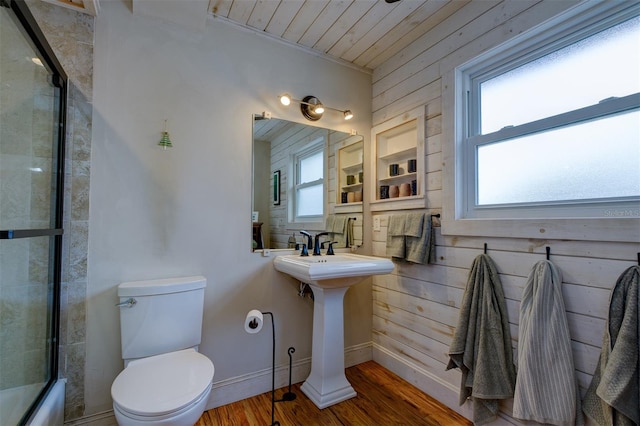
[{"x": 129, "y": 303}]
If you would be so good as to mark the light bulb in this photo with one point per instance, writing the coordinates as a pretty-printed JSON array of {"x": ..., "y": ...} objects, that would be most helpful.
[
  {"x": 285, "y": 99},
  {"x": 318, "y": 109},
  {"x": 348, "y": 115}
]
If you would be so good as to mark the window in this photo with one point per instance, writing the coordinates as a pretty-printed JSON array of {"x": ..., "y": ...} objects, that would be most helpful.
[
  {"x": 308, "y": 188},
  {"x": 551, "y": 123}
]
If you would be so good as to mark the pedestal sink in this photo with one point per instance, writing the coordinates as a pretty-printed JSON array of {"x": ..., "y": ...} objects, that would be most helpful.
[{"x": 329, "y": 277}]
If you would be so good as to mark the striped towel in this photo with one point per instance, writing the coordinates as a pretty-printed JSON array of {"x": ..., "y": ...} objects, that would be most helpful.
[
  {"x": 614, "y": 395},
  {"x": 546, "y": 388}
]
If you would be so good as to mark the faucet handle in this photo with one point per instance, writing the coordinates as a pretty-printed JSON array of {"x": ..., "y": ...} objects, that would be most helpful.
[
  {"x": 330, "y": 249},
  {"x": 304, "y": 251}
]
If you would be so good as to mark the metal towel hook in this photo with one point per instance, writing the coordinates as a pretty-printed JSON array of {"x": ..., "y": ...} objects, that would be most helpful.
[{"x": 548, "y": 249}]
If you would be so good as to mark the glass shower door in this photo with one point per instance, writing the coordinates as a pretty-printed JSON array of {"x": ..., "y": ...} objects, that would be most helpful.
[{"x": 31, "y": 129}]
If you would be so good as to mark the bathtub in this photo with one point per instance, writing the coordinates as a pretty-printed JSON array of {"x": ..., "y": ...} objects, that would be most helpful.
[{"x": 50, "y": 412}]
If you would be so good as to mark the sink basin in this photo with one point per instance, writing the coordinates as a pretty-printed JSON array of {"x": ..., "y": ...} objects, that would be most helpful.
[{"x": 339, "y": 270}]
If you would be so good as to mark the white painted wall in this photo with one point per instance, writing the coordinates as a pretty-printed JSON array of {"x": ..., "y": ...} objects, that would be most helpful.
[
  {"x": 187, "y": 210},
  {"x": 416, "y": 308}
]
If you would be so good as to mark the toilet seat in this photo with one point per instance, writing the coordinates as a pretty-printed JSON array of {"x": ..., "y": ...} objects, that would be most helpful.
[{"x": 163, "y": 385}]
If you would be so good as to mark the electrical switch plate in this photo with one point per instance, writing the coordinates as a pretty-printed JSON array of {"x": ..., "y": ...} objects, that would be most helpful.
[{"x": 376, "y": 223}]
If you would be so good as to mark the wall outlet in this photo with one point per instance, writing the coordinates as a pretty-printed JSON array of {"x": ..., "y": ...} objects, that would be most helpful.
[{"x": 376, "y": 223}]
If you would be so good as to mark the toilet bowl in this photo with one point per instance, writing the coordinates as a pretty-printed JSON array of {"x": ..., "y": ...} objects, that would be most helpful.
[{"x": 167, "y": 390}]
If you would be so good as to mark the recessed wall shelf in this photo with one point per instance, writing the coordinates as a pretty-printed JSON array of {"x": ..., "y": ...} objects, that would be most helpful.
[
  {"x": 398, "y": 147},
  {"x": 350, "y": 174}
]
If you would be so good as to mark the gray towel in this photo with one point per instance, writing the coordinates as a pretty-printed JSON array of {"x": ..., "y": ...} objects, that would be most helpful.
[
  {"x": 420, "y": 246},
  {"x": 350, "y": 238},
  {"x": 546, "y": 387},
  {"x": 413, "y": 225},
  {"x": 613, "y": 398},
  {"x": 481, "y": 346},
  {"x": 395, "y": 236},
  {"x": 330, "y": 221},
  {"x": 338, "y": 224},
  {"x": 338, "y": 231}
]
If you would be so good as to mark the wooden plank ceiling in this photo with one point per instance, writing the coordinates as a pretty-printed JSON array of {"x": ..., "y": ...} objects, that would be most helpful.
[{"x": 361, "y": 32}]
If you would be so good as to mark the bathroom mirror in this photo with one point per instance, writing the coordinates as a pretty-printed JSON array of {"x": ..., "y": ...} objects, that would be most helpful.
[{"x": 319, "y": 168}]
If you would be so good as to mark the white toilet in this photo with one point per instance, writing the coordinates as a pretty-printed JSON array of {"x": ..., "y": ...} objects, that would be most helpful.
[{"x": 165, "y": 382}]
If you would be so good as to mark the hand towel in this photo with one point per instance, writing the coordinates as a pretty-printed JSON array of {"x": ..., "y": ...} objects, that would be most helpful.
[
  {"x": 395, "y": 236},
  {"x": 350, "y": 239},
  {"x": 329, "y": 224},
  {"x": 420, "y": 246},
  {"x": 613, "y": 398},
  {"x": 481, "y": 345},
  {"x": 546, "y": 388},
  {"x": 338, "y": 224},
  {"x": 413, "y": 224},
  {"x": 338, "y": 231}
]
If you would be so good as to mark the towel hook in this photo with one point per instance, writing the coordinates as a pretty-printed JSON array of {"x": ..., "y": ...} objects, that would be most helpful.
[
  {"x": 485, "y": 248},
  {"x": 548, "y": 249},
  {"x": 436, "y": 215}
]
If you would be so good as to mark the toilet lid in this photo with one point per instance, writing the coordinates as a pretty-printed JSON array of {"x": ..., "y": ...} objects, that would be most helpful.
[{"x": 163, "y": 383}]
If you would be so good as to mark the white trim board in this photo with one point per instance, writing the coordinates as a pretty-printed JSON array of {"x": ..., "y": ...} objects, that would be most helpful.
[{"x": 241, "y": 387}]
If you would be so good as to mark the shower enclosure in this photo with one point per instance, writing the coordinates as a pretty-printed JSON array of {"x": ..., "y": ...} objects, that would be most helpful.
[{"x": 33, "y": 91}]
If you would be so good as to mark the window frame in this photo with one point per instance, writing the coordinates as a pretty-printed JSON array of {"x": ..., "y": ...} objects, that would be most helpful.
[
  {"x": 317, "y": 145},
  {"x": 568, "y": 27},
  {"x": 486, "y": 67}
]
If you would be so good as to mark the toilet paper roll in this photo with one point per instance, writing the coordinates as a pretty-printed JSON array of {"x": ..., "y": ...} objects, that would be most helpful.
[{"x": 253, "y": 322}]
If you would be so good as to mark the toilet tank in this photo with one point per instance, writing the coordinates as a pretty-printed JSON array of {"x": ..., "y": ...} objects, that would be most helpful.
[{"x": 166, "y": 316}]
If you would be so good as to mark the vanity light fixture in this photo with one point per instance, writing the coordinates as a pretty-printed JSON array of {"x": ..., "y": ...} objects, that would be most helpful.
[
  {"x": 165, "y": 141},
  {"x": 311, "y": 107}
]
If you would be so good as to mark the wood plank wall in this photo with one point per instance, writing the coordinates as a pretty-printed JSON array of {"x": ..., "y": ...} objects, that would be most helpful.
[{"x": 416, "y": 308}]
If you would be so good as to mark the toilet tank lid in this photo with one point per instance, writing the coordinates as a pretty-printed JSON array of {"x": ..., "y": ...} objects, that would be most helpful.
[{"x": 161, "y": 286}]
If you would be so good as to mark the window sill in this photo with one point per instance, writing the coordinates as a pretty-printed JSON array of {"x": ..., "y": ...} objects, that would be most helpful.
[
  {"x": 602, "y": 229},
  {"x": 305, "y": 226}
]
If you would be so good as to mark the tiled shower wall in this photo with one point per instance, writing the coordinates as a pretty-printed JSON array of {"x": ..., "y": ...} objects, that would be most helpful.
[{"x": 70, "y": 34}]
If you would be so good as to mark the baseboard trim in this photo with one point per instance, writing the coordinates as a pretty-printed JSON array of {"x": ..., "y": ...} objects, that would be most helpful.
[
  {"x": 422, "y": 379},
  {"x": 105, "y": 418},
  {"x": 444, "y": 392},
  {"x": 238, "y": 388}
]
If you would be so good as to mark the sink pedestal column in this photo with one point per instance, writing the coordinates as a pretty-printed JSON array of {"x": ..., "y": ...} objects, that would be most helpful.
[{"x": 327, "y": 383}]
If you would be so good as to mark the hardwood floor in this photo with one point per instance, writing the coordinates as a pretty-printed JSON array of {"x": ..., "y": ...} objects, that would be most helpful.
[{"x": 383, "y": 399}]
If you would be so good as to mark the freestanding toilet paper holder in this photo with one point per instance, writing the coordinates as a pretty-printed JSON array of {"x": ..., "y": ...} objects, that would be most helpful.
[{"x": 253, "y": 324}]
